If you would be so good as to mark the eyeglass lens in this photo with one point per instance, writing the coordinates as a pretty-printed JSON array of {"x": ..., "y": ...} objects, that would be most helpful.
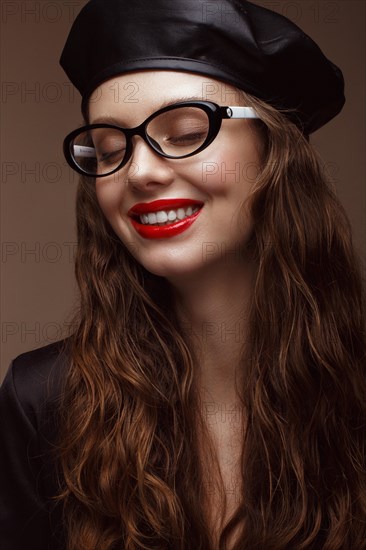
[{"x": 176, "y": 133}]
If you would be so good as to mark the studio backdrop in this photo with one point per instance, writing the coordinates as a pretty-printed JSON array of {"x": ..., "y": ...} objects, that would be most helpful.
[{"x": 39, "y": 107}]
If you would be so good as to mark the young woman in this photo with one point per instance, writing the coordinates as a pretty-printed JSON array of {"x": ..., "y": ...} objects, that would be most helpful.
[{"x": 213, "y": 393}]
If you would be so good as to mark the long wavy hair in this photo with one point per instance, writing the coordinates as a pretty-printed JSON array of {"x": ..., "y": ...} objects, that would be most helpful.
[{"x": 130, "y": 460}]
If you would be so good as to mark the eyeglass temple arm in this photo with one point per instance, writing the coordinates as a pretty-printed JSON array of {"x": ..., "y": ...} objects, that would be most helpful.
[
  {"x": 239, "y": 112},
  {"x": 83, "y": 151}
]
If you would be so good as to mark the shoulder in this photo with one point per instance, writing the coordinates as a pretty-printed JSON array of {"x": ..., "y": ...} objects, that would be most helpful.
[
  {"x": 41, "y": 363},
  {"x": 29, "y": 474},
  {"x": 35, "y": 378}
]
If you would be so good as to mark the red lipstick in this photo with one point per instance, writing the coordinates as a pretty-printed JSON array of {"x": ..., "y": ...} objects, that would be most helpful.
[
  {"x": 162, "y": 204},
  {"x": 162, "y": 231}
]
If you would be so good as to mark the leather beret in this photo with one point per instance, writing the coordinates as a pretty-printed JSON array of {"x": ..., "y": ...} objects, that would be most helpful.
[{"x": 235, "y": 41}]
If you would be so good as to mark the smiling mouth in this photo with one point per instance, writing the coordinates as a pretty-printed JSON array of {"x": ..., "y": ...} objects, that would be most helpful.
[
  {"x": 167, "y": 216},
  {"x": 155, "y": 225}
]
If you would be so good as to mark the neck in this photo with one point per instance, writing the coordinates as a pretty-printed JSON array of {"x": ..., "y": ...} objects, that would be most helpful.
[{"x": 214, "y": 306}]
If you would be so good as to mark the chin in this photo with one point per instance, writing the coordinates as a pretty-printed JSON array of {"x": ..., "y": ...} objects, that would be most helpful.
[{"x": 170, "y": 267}]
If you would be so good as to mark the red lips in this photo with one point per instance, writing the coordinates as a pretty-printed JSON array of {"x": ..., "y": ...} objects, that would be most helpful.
[
  {"x": 162, "y": 204},
  {"x": 167, "y": 230}
]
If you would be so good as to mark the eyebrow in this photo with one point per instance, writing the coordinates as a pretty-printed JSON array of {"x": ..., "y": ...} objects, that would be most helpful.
[{"x": 108, "y": 119}]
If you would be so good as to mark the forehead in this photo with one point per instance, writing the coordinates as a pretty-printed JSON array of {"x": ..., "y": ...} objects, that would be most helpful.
[{"x": 134, "y": 96}]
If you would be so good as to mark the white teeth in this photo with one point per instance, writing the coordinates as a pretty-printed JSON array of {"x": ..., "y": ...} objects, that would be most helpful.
[
  {"x": 172, "y": 215},
  {"x": 163, "y": 216}
]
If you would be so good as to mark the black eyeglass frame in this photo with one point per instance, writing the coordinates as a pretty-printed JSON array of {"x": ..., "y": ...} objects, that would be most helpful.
[{"x": 215, "y": 113}]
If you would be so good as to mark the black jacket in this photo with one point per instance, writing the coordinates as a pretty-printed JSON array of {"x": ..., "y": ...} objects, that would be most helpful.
[{"x": 29, "y": 517}]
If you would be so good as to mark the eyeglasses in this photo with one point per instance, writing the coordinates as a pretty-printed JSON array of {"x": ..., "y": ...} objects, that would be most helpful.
[{"x": 175, "y": 132}]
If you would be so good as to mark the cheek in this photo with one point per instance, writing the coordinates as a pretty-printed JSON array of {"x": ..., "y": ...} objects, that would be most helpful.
[
  {"x": 227, "y": 166},
  {"x": 109, "y": 197}
]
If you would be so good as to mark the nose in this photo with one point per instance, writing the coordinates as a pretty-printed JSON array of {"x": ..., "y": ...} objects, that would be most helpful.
[{"x": 147, "y": 169}]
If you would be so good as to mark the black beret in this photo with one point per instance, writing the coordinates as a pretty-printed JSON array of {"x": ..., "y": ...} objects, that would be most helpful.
[{"x": 235, "y": 41}]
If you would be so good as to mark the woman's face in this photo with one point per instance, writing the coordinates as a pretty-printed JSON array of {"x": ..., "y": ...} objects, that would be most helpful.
[{"x": 219, "y": 177}]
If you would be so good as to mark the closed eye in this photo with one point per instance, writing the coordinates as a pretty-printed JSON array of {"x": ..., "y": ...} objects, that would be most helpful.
[
  {"x": 111, "y": 157},
  {"x": 186, "y": 138}
]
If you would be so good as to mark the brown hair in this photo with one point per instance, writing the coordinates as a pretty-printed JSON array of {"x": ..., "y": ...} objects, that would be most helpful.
[{"x": 130, "y": 461}]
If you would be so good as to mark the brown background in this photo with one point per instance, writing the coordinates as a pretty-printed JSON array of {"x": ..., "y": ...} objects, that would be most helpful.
[{"x": 39, "y": 106}]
